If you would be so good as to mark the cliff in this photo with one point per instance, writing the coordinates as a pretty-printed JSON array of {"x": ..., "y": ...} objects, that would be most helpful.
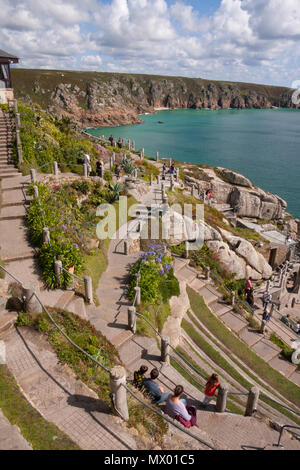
[{"x": 105, "y": 99}]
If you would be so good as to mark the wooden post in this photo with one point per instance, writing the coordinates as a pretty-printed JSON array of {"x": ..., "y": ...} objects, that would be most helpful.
[
  {"x": 118, "y": 391},
  {"x": 165, "y": 349},
  {"x": 132, "y": 319},
  {"x": 157, "y": 156},
  {"x": 222, "y": 399},
  {"x": 55, "y": 168},
  {"x": 138, "y": 295},
  {"x": 33, "y": 176},
  {"x": 88, "y": 289},
  {"x": 85, "y": 170},
  {"x": 46, "y": 236},
  {"x": 158, "y": 179},
  {"x": 252, "y": 401}
]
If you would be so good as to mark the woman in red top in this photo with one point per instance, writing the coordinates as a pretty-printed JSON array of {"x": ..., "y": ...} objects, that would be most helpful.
[{"x": 210, "y": 389}]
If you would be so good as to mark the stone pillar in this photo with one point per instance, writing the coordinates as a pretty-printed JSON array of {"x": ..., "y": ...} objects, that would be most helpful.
[
  {"x": 32, "y": 305},
  {"x": 232, "y": 298},
  {"x": 207, "y": 273},
  {"x": 46, "y": 236},
  {"x": 222, "y": 399},
  {"x": 133, "y": 146},
  {"x": 192, "y": 190},
  {"x": 33, "y": 176},
  {"x": 268, "y": 286},
  {"x": 55, "y": 168},
  {"x": 58, "y": 270},
  {"x": 151, "y": 180},
  {"x": 158, "y": 179},
  {"x": 118, "y": 391},
  {"x": 165, "y": 349},
  {"x": 177, "y": 174},
  {"x": 186, "y": 250},
  {"x": 157, "y": 156},
  {"x": 138, "y": 295},
  {"x": 132, "y": 319},
  {"x": 252, "y": 401},
  {"x": 36, "y": 192},
  {"x": 126, "y": 248},
  {"x": 18, "y": 121},
  {"x": 20, "y": 154},
  {"x": 88, "y": 289},
  {"x": 85, "y": 170},
  {"x": 135, "y": 173},
  {"x": 170, "y": 161}
]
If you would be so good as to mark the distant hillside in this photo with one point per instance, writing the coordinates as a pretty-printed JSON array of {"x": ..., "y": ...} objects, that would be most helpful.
[{"x": 105, "y": 99}]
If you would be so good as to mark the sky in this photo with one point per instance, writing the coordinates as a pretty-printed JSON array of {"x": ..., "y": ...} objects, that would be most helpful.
[{"x": 255, "y": 41}]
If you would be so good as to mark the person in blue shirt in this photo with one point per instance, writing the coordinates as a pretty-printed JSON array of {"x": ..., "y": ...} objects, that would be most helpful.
[{"x": 157, "y": 393}]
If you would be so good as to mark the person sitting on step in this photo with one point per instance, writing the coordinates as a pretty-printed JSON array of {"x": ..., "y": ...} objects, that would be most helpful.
[
  {"x": 177, "y": 408},
  {"x": 156, "y": 392}
]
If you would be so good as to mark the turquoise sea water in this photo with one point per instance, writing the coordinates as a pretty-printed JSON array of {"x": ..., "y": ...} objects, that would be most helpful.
[{"x": 263, "y": 145}]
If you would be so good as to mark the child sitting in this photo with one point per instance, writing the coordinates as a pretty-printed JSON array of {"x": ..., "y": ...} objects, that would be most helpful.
[{"x": 139, "y": 375}]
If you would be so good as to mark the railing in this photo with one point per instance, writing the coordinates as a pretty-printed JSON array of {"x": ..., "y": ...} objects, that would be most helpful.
[
  {"x": 287, "y": 426},
  {"x": 116, "y": 386}
]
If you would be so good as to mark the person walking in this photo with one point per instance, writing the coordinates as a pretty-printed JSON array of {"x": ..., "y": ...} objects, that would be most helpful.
[
  {"x": 99, "y": 168},
  {"x": 177, "y": 408},
  {"x": 210, "y": 389},
  {"x": 248, "y": 285},
  {"x": 156, "y": 392},
  {"x": 267, "y": 297},
  {"x": 111, "y": 139}
]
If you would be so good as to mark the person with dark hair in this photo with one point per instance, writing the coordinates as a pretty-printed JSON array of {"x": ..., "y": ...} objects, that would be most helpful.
[
  {"x": 210, "y": 389},
  {"x": 99, "y": 168},
  {"x": 157, "y": 393},
  {"x": 177, "y": 408},
  {"x": 139, "y": 375},
  {"x": 111, "y": 139}
]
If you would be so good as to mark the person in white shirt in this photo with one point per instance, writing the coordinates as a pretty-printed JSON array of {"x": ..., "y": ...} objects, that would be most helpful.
[{"x": 87, "y": 161}]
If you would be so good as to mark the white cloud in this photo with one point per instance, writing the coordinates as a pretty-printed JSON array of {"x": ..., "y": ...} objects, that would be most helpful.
[{"x": 246, "y": 40}]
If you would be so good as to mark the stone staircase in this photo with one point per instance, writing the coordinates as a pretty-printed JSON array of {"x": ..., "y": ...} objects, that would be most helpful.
[{"x": 259, "y": 343}]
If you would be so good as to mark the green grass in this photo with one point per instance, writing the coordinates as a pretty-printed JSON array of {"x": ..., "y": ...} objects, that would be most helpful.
[
  {"x": 268, "y": 375},
  {"x": 41, "y": 434}
]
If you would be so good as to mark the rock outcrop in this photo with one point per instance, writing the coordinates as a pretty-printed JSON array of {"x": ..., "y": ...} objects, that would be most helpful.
[{"x": 104, "y": 99}]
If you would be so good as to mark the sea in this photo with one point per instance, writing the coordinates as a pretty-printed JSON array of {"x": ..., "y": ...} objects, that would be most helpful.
[{"x": 263, "y": 145}]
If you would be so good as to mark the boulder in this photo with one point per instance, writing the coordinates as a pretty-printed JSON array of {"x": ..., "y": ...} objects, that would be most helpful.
[
  {"x": 233, "y": 177},
  {"x": 233, "y": 263},
  {"x": 246, "y": 250}
]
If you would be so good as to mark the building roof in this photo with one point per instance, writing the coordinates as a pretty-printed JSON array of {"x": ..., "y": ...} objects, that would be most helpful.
[{"x": 8, "y": 57}]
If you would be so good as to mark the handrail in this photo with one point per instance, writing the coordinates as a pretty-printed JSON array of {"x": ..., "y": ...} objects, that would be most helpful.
[
  {"x": 281, "y": 432},
  {"x": 107, "y": 370},
  {"x": 72, "y": 274}
]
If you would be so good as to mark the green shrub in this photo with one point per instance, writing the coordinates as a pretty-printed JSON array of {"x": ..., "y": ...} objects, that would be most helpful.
[
  {"x": 68, "y": 254},
  {"x": 24, "y": 319}
]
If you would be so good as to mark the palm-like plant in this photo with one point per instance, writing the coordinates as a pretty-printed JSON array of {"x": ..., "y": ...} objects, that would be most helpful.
[
  {"x": 127, "y": 165},
  {"x": 114, "y": 192}
]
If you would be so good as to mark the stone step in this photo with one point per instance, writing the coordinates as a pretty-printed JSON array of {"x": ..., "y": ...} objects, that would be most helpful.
[
  {"x": 77, "y": 306},
  {"x": 7, "y": 320},
  {"x": 186, "y": 274},
  {"x": 209, "y": 295},
  {"x": 9, "y": 213},
  {"x": 197, "y": 284},
  {"x": 139, "y": 347},
  {"x": 18, "y": 257},
  {"x": 4, "y": 169},
  {"x": 9, "y": 175},
  {"x": 219, "y": 308},
  {"x": 64, "y": 300},
  {"x": 121, "y": 338},
  {"x": 13, "y": 204}
]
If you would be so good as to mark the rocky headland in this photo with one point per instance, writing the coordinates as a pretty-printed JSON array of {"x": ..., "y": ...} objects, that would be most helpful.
[{"x": 104, "y": 99}]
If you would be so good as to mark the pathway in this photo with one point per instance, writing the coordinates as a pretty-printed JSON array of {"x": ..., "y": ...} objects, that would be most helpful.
[
  {"x": 54, "y": 391},
  {"x": 10, "y": 436}
]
